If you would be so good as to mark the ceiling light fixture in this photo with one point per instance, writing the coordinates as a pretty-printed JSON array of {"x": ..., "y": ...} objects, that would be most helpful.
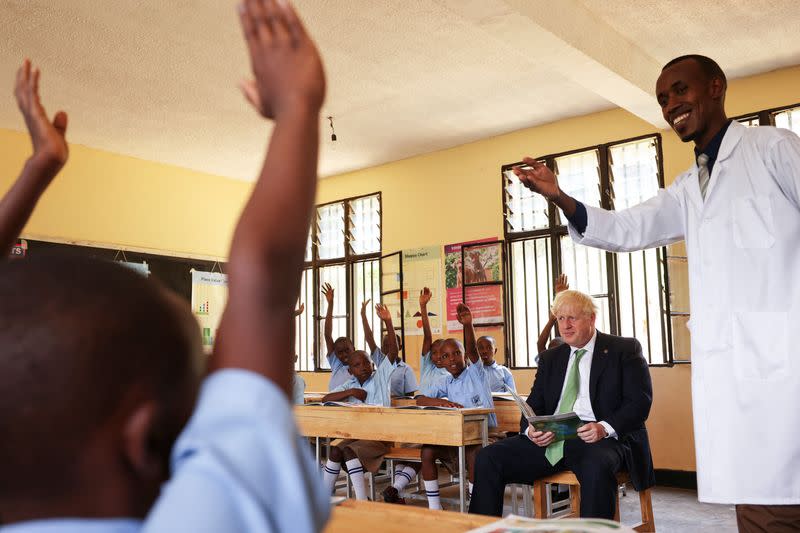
[{"x": 333, "y": 131}]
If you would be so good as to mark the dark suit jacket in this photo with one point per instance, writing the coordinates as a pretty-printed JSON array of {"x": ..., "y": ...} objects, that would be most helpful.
[{"x": 620, "y": 390}]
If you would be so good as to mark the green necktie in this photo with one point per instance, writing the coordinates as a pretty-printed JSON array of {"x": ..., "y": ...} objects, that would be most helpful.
[{"x": 555, "y": 451}]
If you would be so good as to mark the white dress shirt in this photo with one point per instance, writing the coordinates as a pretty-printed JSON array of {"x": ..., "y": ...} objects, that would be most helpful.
[{"x": 583, "y": 404}]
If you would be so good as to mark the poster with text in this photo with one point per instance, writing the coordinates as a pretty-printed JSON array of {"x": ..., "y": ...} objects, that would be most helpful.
[
  {"x": 485, "y": 302},
  {"x": 209, "y": 294},
  {"x": 422, "y": 267}
]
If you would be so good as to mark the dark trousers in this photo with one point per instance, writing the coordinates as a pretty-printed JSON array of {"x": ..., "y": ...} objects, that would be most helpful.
[
  {"x": 518, "y": 460},
  {"x": 768, "y": 518}
]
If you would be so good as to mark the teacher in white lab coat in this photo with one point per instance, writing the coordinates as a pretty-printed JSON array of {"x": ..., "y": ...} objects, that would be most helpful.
[{"x": 738, "y": 209}]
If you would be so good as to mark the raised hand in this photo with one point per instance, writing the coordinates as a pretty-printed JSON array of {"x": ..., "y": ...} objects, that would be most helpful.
[
  {"x": 48, "y": 138},
  {"x": 424, "y": 296},
  {"x": 327, "y": 291},
  {"x": 286, "y": 65},
  {"x": 299, "y": 310},
  {"x": 464, "y": 314},
  {"x": 364, "y": 306},
  {"x": 383, "y": 312},
  {"x": 538, "y": 178},
  {"x": 562, "y": 283}
]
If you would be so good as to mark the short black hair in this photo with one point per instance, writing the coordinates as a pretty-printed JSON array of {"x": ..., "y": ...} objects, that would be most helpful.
[
  {"x": 709, "y": 67},
  {"x": 79, "y": 341},
  {"x": 488, "y": 338}
]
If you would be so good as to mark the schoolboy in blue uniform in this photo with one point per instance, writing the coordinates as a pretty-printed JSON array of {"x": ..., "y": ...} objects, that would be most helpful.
[
  {"x": 466, "y": 387},
  {"x": 500, "y": 378},
  {"x": 369, "y": 386},
  {"x": 403, "y": 381},
  {"x": 431, "y": 368},
  {"x": 339, "y": 350},
  {"x": 430, "y": 371},
  {"x": 91, "y": 450}
]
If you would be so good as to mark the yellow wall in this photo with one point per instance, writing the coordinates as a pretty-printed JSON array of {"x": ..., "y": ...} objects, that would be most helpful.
[
  {"x": 444, "y": 197},
  {"x": 121, "y": 201}
]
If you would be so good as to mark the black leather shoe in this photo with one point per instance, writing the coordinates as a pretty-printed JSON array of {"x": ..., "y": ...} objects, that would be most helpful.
[{"x": 390, "y": 495}]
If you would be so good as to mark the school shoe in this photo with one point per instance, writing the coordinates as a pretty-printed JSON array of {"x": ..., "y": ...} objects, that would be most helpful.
[{"x": 391, "y": 495}]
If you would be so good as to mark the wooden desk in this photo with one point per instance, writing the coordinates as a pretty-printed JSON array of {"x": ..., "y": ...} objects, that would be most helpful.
[
  {"x": 505, "y": 408},
  {"x": 508, "y": 414},
  {"x": 460, "y": 428},
  {"x": 355, "y": 516}
]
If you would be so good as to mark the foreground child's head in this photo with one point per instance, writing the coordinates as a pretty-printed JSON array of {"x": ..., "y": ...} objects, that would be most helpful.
[
  {"x": 487, "y": 349},
  {"x": 452, "y": 356},
  {"x": 101, "y": 368}
]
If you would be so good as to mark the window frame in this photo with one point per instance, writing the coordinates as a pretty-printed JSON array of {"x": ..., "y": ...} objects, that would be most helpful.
[
  {"x": 766, "y": 117},
  {"x": 315, "y": 264},
  {"x": 555, "y": 231}
]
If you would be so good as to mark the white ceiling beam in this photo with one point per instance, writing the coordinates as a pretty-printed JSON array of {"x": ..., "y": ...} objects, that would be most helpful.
[{"x": 595, "y": 55}]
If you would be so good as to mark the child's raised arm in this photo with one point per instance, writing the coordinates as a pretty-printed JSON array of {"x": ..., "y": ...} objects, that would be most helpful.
[
  {"x": 327, "y": 291},
  {"x": 50, "y": 153},
  {"x": 266, "y": 256},
  {"x": 368, "y": 336},
  {"x": 465, "y": 318},
  {"x": 427, "y": 338},
  {"x": 391, "y": 338},
  {"x": 562, "y": 284}
]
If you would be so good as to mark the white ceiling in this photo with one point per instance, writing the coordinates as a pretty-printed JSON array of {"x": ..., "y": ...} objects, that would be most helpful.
[{"x": 156, "y": 79}]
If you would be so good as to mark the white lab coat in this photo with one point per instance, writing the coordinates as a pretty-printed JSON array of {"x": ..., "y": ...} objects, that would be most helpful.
[{"x": 743, "y": 247}]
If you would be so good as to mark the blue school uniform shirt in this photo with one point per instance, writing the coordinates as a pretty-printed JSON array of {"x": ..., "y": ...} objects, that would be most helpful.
[
  {"x": 339, "y": 372},
  {"x": 377, "y": 385},
  {"x": 429, "y": 374},
  {"x": 404, "y": 382},
  {"x": 470, "y": 389},
  {"x": 499, "y": 377},
  {"x": 239, "y": 466},
  {"x": 298, "y": 390},
  {"x": 403, "y": 379}
]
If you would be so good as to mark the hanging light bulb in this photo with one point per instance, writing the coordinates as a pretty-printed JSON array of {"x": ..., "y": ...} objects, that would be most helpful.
[{"x": 333, "y": 131}]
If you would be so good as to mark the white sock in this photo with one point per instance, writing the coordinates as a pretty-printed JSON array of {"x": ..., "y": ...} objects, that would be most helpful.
[
  {"x": 329, "y": 474},
  {"x": 470, "y": 489},
  {"x": 356, "y": 473},
  {"x": 432, "y": 490},
  {"x": 403, "y": 475}
]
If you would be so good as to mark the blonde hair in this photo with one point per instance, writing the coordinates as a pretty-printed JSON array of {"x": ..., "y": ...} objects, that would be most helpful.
[{"x": 578, "y": 300}]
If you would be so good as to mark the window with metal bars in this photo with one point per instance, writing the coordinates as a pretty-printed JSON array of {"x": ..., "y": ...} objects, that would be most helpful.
[
  {"x": 631, "y": 290},
  {"x": 781, "y": 117},
  {"x": 344, "y": 248}
]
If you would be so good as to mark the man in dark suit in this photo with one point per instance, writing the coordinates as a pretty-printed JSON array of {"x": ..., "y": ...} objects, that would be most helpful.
[{"x": 604, "y": 379}]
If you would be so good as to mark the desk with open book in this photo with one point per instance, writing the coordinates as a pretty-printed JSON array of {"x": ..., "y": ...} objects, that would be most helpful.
[{"x": 444, "y": 427}]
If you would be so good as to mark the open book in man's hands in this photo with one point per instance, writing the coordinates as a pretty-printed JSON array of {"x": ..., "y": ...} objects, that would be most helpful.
[{"x": 564, "y": 426}]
